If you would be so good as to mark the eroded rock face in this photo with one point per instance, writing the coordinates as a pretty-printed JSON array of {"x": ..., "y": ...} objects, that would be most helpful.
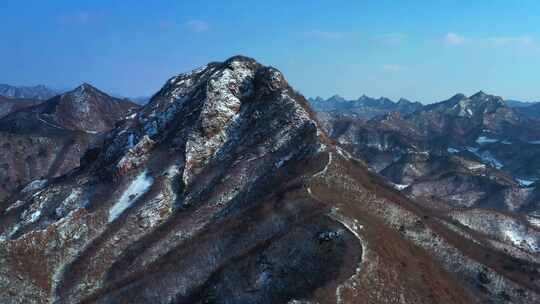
[{"x": 224, "y": 189}]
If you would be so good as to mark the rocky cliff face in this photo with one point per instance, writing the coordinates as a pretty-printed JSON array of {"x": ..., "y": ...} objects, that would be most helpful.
[{"x": 224, "y": 189}]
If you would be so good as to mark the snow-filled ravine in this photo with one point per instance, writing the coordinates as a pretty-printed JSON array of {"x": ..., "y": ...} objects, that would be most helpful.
[{"x": 139, "y": 186}]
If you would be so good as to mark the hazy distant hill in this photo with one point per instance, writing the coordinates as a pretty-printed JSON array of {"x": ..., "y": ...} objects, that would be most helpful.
[
  {"x": 364, "y": 107},
  {"x": 39, "y": 92}
]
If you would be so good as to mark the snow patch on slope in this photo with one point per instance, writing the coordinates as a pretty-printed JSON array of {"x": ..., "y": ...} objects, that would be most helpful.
[
  {"x": 219, "y": 112},
  {"x": 526, "y": 182},
  {"x": 139, "y": 186},
  {"x": 481, "y": 140},
  {"x": 501, "y": 227},
  {"x": 34, "y": 186},
  {"x": 283, "y": 160},
  {"x": 80, "y": 99},
  {"x": 400, "y": 186},
  {"x": 486, "y": 157}
]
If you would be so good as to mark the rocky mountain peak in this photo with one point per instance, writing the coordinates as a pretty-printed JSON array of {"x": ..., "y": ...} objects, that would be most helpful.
[
  {"x": 458, "y": 97},
  {"x": 482, "y": 97},
  {"x": 210, "y": 145},
  {"x": 479, "y": 95},
  {"x": 223, "y": 188},
  {"x": 363, "y": 97},
  {"x": 336, "y": 98},
  {"x": 404, "y": 101},
  {"x": 317, "y": 99},
  {"x": 84, "y": 93},
  {"x": 85, "y": 109},
  {"x": 207, "y": 110},
  {"x": 474, "y": 106},
  {"x": 86, "y": 86}
]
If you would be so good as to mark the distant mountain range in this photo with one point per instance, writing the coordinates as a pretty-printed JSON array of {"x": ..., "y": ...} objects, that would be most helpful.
[
  {"x": 369, "y": 107},
  {"x": 465, "y": 151},
  {"x": 39, "y": 92},
  {"x": 363, "y": 107},
  {"x": 519, "y": 104}
]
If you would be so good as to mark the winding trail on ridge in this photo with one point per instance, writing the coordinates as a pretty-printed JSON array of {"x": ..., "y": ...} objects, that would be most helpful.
[{"x": 351, "y": 225}]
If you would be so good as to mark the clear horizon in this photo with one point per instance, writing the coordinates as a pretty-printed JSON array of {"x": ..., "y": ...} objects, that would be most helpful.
[{"x": 423, "y": 51}]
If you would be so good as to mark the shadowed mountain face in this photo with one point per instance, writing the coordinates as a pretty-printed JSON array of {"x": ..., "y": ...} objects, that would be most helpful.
[
  {"x": 225, "y": 189},
  {"x": 39, "y": 92},
  {"x": 364, "y": 107},
  {"x": 8, "y": 105},
  {"x": 48, "y": 139},
  {"x": 531, "y": 111}
]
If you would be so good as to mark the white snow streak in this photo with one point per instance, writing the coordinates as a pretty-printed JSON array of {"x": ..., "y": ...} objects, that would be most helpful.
[
  {"x": 525, "y": 182},
  {"x": 48, "y": 123},
  {"x": 485, "y": 140},
  {"x": 400, "y": 186},
  {"x": 136, "y": 189},
  {"x": 323, "y": 171}
]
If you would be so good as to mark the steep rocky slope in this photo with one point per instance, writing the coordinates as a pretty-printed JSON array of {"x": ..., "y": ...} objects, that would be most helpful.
[
  {"x": 224, "y": 189},
  {"x": 48, "y": 139}
]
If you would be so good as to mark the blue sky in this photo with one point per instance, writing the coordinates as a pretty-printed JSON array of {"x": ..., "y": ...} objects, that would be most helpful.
[{"x": 421, "y": 50}]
